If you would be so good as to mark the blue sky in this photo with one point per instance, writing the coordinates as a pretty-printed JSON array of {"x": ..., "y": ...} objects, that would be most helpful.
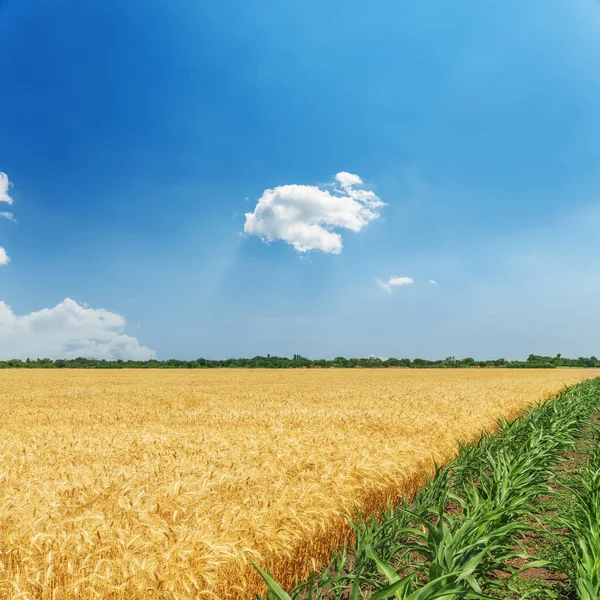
[{"x": 137, "y": 135}]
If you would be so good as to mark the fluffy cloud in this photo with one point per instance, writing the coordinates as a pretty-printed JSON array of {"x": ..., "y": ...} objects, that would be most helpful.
[
  {"x": 67, "y": 330},
  {"x": 394, "y": 282},
  {"x": 4, "y": 197},
  {"x": 432, "y": 281},
  {"x": 305, "y": 216},
  {"x": 4, "y": 185}
]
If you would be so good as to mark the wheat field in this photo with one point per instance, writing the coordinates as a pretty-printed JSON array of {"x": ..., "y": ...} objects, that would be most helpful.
[{"x": 136, "y": 484}]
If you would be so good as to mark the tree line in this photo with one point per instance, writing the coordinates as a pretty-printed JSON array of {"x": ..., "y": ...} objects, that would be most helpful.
[{"x": 297, "y": 361}]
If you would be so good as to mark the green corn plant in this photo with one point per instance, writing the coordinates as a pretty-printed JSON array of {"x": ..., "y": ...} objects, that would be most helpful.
[{"x": 583, "y": 541}]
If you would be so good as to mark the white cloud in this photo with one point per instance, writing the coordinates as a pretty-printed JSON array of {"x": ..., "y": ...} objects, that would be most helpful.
[
  {"x": 305, "y": 216},
  {"x": 4, "y": 197},
  {"x": 67, "y": 330},
  {"x": 432, "y": 281},
  {"x": 394, "y": 281},
  {"x": 4, "y": 185}
]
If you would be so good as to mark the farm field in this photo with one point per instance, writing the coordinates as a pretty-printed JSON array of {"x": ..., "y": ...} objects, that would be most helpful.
[{"x": 164, "y": 484}]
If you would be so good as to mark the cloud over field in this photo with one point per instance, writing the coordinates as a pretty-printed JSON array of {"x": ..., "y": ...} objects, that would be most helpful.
[
  {"x": 4, "y": 197},
  {"x": 67, "y": 330},
  {"x": 305, "y": 216},
  {"x": 393, "y": 282}
]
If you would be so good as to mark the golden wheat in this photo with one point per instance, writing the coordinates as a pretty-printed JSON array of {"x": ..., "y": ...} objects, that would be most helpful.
[{"x": 163, "y": 484}]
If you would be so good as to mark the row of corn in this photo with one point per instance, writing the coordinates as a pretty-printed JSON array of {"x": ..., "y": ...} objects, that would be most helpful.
[
  {"x": 462, "y": 536},
  {"x": 581, "y": 547}
]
